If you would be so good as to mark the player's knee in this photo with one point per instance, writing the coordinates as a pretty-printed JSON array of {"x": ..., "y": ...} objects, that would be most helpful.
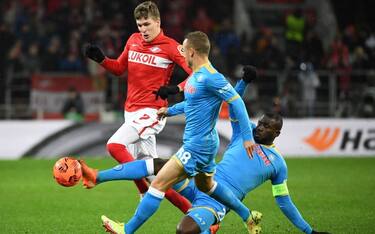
[
  {"x": 113, "y": 148},
  {"x": 203, "y": 186},
  {"x": 158, "y": 164},
  {"x": 119, "y": 152},
  {"x": 159, "y": 185}
]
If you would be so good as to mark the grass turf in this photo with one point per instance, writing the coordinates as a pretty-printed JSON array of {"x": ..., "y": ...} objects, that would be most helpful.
[{"x": 333, "y": 194}]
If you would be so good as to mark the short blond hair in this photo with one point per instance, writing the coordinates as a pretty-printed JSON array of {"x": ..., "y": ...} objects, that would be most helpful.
[
  {"x": 145, "y": 10},
  {"x": 199, "y": 42}
]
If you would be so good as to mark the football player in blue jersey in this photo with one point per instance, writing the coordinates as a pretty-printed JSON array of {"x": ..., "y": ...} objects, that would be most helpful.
[
  {"x": 240, "y": 173},
  {"x": 205, "y": 90}
]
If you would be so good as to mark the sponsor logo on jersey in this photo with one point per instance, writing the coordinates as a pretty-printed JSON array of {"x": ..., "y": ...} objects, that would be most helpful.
[
  {"x": 148, "y": 59},
  {"x": 259, "y": 151},
  {"x": 200, "y": 78},
  {"x": 190, "y": 88},
  {"x": 155, "y": 49}
]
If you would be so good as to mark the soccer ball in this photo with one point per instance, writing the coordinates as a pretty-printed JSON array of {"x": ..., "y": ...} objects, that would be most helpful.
[{"x": 67, "y": 171}]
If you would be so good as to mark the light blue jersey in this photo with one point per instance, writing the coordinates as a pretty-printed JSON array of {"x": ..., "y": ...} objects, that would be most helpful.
[
  {"x": 205, "y": 90},
  {"x": 241, "y": 174},
  {"x": 245, "y": 173}
]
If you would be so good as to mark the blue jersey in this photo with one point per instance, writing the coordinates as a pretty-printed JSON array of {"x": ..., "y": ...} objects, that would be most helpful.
[
  {"x": 204, "y": 92},
  {"x": 241, "y": 174}
]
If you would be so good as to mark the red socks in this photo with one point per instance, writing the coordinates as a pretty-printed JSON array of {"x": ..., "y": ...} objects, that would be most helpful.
[
  {"x": 178, "y": 200},
  {"x": 121, "y": 155}
]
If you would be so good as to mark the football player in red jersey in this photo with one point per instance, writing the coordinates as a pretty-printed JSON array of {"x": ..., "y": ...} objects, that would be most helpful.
[{"x": 149, "y": 58}]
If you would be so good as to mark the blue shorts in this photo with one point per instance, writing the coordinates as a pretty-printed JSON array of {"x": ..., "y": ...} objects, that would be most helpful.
[
  {"x": 193, "y": 163},
  {"x": 204, "y": 217}
]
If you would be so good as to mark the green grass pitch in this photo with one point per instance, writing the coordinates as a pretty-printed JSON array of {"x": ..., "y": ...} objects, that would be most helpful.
[{"x": 333, "y": 194}]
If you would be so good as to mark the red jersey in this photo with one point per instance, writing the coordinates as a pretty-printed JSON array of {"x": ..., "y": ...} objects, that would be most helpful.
[{"x": 149, "y": 65}]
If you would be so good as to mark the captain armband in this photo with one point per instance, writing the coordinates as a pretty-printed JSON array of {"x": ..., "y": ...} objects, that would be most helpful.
[{"x": 280, "y": 189}]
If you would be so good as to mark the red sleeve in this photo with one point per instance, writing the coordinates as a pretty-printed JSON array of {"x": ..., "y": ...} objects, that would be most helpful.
[
  {"x": 117, "y": 66},
  {"x": 182, "y": 85}
]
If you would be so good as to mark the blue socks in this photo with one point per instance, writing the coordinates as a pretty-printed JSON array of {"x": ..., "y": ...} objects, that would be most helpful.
[
  {"x": 127, "y": 171},
  {"x": 226, "y": 196},
  {"x": 148, "y": 206}
]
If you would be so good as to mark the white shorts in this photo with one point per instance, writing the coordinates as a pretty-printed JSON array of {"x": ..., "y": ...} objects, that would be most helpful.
[
  {"x": 145, "y": 121},
  {"x": 138, "y": 132}
]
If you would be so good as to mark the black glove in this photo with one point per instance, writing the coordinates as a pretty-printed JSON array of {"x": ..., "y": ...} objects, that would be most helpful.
[
  {"x": 316, "y": 232},
  {"x": 93, "y": 52},
  {"x": 249, "y": 73},
  {"x": 165, "y": 91}
]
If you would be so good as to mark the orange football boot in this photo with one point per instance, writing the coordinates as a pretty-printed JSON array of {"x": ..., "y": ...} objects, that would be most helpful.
[{"x": 88, "y": 175}]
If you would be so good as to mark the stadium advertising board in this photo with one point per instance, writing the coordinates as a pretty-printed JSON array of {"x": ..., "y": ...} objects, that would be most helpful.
[
  {"x": 299, "y": 137},
  {"x": 18, "y": 136},
  {"x": 324, "y": 137},
  {"x": 49, "y": 92}
]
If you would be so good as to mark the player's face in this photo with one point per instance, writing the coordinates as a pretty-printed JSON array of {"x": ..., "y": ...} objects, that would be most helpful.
[
  {"x": 266, "y": 131},
  {"x": 149, "y": 28},
  {"x": 187, "y": 53}
]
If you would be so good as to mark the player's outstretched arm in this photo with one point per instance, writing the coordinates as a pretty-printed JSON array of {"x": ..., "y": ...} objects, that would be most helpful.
[
  {"x": 176, "y": 109},
  {"x": 281, "y": 193},
  {"x": 291, "y": 212},
  {"x": 239, "y": 110},
  {"x": 93, "y": 52},
  {"x": 115, "y": 66},
  {"x": 249, "y": 74}
]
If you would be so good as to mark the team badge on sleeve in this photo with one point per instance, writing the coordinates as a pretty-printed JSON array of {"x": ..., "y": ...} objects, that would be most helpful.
[{"x": 225, "y": 89}]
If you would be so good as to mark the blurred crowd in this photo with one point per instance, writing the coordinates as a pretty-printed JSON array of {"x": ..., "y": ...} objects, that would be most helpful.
[{"x": 47, "y": 36}]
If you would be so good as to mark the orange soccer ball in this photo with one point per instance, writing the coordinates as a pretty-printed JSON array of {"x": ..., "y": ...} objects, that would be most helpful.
[{"x": 67, "y": 171}]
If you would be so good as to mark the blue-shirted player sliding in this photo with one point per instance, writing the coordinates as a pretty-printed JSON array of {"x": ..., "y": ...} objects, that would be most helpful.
[{"x": 237, "y": 171}]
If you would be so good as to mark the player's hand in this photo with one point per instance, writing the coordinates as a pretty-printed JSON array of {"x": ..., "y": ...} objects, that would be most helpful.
[
  {"x": 249, "y": 146},
  {"x": 93, "y": 52},
  {"x": 162, "y": 112},
  {"x": 164, "y": 91},
  {"x": 249, "y": 73},
  {"x": 316, "y": 232}
]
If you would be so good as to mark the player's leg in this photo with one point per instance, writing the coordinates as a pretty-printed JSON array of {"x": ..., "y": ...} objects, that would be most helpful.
[
  {"x": 116, "y": 146},
  {"x": 171, "y": 173},
  {"x": 127, "y": 171},
  {"x": 146, "y": 148},
  {"x": 221, "y": 193},
  {"x": 137, "y": 169}
]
